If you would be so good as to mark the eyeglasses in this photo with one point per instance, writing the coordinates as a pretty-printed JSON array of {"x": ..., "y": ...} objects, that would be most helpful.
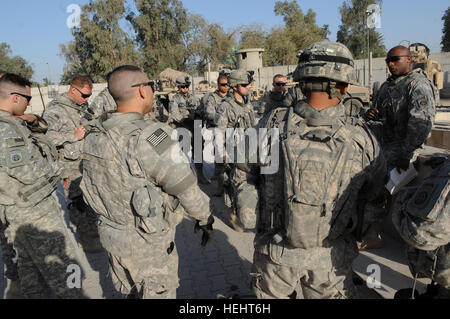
[
  {"x": 395, "y": 58},
  {"x": 150, "y": 83},
  {"x": 23, "y": 95},
  {"x": 84, "y": 96},
  {"x": 280, "y": 84},
  {"x": 224, "y": 84}
]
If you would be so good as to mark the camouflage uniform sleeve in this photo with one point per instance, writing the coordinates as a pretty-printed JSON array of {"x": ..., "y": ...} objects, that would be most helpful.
[
  {"x": 20, "y": 162},
  {"x": 97, "y": 106},
  {"x": 422, "y": 110},
  {"x": 377, "y": 169},
  {"x": 60, "y": 128},
  {"x": 174, "y": 112},
  {"x": 167, "y": 166},
  {"x": 210, "y": 108}
]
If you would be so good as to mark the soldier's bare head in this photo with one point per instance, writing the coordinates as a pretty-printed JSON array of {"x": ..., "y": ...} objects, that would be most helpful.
[
  {"x": 399, "y": 60},
  {"x": 130, "y": 89},
  {"x": 80, "y": 89},
  {"x": 15, "y": 93}
]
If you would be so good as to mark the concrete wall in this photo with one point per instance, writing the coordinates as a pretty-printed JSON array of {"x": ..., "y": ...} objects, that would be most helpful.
[
  {"x": 265, "y": 75},
  {"x": 263, "y": 78}
]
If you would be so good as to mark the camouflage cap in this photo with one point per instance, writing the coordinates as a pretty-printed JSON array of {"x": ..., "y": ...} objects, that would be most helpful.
[
  {"x": 326, "y": 59},
  {"x": 183, "y": 80},
  {"x": 239, "y": 77}
]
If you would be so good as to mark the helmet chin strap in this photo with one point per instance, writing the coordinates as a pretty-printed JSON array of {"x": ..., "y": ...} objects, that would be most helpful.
[{"x": 244, "y": 97}]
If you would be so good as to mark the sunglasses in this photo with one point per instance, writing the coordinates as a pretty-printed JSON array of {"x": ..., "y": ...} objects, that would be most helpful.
[
  {"x": 23, "y": 95},
  {"x": 280, "y": 84},
  {"x": 394, "y": 58},
  {"x": 150, "y": 83},
  {"x": 224, "y": 84},
  {"x": 184, "y": 86},
  {"x": 84, "y": 96},
  {"x": 244, "y": 85}
]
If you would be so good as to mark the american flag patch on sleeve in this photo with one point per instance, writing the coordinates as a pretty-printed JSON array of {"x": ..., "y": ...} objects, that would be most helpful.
[{"x": 157, "y": 138}]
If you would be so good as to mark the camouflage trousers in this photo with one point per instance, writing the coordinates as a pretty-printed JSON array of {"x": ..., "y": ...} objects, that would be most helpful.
[
  {"x": 244, "y": 196},
  {"x": 142, "y": 266},
  {"x": 81, "y": 215},
  {"x": 318, "y": 273},
  {"x": 9, "y": 254},
  {"x": 45, "y": 252}
]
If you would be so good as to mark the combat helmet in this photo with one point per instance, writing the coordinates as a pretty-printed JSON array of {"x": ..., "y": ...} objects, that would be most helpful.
[
  {"x": 238, "y": 77},
  {"x": 183, "y": 80},
  {"x": 326, "y": 60}
]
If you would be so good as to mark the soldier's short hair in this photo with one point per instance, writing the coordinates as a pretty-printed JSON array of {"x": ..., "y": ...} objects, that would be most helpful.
[
  {"x": 222, "y": 76},
  {"x": 9, "y": 79},
  {"x": 81, "y": 81},
  {"x": 119, "y": 90},
  {"x": 279, "y": 76},
  {"x": 2, "y": 73}
]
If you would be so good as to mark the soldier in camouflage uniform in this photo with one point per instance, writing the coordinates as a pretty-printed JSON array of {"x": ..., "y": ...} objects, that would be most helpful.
[
  {"x": 184, "y": 108},
  {"x": 28, "y": 205},
  {"x": 9, "y": 255},
  {"x": 103, "y": 103},
  {"x": 404, "y": 110},
  {"x": 305, "y": 242},
  {"x": 274, "y": 98},
  {"x": 421, "y": 215},
  {"x": 67, "y": 117},
  {"x": 402, "y": 118},
  {"x": 212, "y": 100},
  {"x": 237, "y": 113},
  {"x": 137, "y": 179}
]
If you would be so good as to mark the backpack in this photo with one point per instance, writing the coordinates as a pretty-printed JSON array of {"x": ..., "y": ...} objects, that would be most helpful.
[
  {"x": 421, "y": 216},
  {"x": 318, "y": 154}
]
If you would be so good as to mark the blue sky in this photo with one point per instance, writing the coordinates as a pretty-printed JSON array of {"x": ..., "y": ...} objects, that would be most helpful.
[{"x": 35, "y": 29}]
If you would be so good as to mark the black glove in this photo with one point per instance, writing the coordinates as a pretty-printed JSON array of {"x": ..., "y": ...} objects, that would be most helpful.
[
  {"x": 402, "y": 163},
  {"x": 207, "y": 230}
]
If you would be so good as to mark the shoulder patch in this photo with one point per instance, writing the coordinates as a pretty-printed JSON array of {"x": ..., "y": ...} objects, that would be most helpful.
[{"x": 157, "y": 138}]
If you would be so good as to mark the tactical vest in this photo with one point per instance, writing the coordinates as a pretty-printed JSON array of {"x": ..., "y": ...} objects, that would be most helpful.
[
  {"x": 122, "y": 200},
  {"x": 245, "y": 117},
  {"x": 318, "y": 157},
  {"x": 32, "y": 154}
]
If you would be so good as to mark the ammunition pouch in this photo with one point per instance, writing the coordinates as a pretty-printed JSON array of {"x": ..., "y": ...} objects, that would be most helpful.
[{"x": 147, "y": 203}]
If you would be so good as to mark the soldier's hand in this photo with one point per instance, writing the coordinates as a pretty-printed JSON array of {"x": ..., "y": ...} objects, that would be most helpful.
[
  {"x": 371, "y": 114},
  {"x": 80, "y": 132},
  {"x": 403, "y": 164},
  {"x": 207, "y": 229},
  {"x": 29, "y": 118},
  {"x": 66, "y": 183}
]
